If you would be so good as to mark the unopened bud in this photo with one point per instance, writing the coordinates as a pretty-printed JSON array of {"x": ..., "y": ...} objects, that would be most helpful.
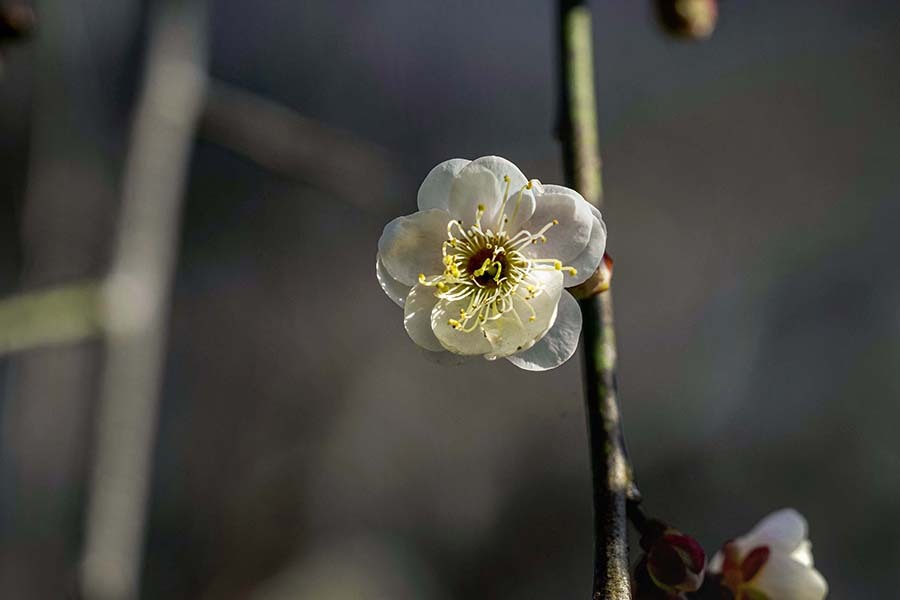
[
  {"x": 673, "y": 563},
  {"x": 597, "y": 283},
  {"x": 16, "y": 21},
  {"x": 693, "y": 19}
]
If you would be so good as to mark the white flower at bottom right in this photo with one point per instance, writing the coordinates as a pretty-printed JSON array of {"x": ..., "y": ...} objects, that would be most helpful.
[{"x": 772, "y": 562}]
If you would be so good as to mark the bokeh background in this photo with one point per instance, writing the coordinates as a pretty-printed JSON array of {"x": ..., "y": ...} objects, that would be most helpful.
[{"x": 308, "y": 450}]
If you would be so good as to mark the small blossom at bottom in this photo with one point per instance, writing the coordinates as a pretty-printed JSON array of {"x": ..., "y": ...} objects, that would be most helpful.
[
  {"x": 772, "y": 562},
  {"x": 482, "y": 267}
]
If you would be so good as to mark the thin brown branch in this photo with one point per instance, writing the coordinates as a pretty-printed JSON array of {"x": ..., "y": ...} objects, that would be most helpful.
[{"x": 612, "y": 477}]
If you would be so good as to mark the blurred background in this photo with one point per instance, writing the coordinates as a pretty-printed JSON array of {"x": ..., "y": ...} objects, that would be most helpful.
[{"x": 306, "y": 449}]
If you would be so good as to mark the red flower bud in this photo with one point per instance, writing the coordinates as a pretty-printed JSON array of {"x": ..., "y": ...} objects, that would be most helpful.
[{"x": 674, "y": 562}]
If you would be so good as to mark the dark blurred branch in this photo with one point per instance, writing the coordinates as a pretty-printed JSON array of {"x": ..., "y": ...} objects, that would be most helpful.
[
  {"x": 612, "y": 478},
  {"x": 137, "y": 297},
  {"x": 289, "y": 144}
]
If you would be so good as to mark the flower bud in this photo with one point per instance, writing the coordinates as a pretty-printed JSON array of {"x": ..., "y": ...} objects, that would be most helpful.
[
  {"x": 597, "y": 283},
  {"x": 673, "y": 563},
  {"x": 16, "y": 21},
  {"x": 694, "y": 19}
]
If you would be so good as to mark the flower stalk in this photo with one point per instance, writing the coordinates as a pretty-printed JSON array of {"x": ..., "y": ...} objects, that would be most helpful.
[{"x": 612, "y": 477}]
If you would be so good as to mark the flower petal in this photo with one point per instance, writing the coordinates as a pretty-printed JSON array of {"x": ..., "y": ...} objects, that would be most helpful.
[
  {"x": 558, "y": 345},
  {"x": 587, "y": 262},
  {"x": 482, "y": 182},
  {"x": 715, "y": 563},
  {"x": 411, "y": 245},
  {"x": 395, "y": 290},
  {"x": 803, "y": 553},
  {"x": 417, "y": 317},
  {"x": 458, "y": 342},
  {"x": 475, "y": 186},
  {"x": 435, "y": 190},
  {"x": 568, "y": 237},
  {"x": 515, "y": 331},
  {"x": 787, "y": 579},
  {"x": 520, "y": 204},
  {"x": 783, "y": 531}
]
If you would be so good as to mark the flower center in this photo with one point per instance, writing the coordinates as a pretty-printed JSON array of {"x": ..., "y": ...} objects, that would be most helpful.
[{"x": 488, "y": 268}]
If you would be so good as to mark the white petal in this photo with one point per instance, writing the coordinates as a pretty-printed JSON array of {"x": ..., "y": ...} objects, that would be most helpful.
[
  {"x": 482, "y": 182},
  {"x": 520, "y": 204},
  {"x": 558, "y": 345},
  {"x": 587, "y": 262},
  {"x": 803, "y": 553},
  {"x": 435, "y": 190},
  {"x": 782, "y": 578},
  {"x": 411, "y": 245},
  {"x": 715, "y": 563},
  {"x": 559, "y": 189},
  {"x": 515, "y": 331},
  {"x": 782, "y": 531},
  {"x": 567, "y": 239},
  {"x": 395, "y": 290},
  {"x": 458, "y": 342},
  {"x": 503, "y": 168},
  {"x": 417, "y": 317},
  {"x": 473, "y": 186}
]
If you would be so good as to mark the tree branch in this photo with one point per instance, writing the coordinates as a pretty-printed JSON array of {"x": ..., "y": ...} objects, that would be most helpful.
[{"x": 612, "y": 479}]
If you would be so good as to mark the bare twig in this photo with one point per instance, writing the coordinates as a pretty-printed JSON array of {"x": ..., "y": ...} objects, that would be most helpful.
[
  {"x": 137, "y": 297},
  {"x": 612, "y": 480}
]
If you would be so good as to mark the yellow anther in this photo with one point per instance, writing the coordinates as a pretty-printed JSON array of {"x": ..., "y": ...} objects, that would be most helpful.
[
  {"x": 453, "y": 323},
  {"x": 506, "y": 178},
  {"x": 532, "y": 318},
  {"x": 481, "y": 208},
  {"x": 572, "y": 271},
  {"x": 421, "y": 277},
  {"x": 528, "y": 185},
  {"x": 557, "y": 265},
  {"x": 441, "y": 286},
  {"x": 555, "y": 222}
]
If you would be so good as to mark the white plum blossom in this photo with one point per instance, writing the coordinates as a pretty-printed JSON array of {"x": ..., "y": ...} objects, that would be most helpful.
[
  {"x": 482, "y": 267},
  {"x": 772, "y": 562}
]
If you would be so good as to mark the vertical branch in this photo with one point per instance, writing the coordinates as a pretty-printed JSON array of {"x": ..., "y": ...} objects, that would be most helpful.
[
  {"x": 609, "y": 464},
  {"x": 137, "y": 298}
]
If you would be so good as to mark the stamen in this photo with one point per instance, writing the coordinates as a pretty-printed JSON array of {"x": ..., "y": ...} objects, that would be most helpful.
[{"x": 490, "y": 291}]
